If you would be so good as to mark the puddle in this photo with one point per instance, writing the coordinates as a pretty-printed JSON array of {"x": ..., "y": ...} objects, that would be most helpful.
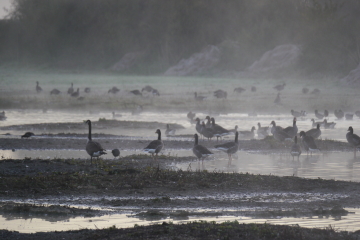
[
  {"x": 18, "y": 117},
  {"x": 31, "y": 224}
]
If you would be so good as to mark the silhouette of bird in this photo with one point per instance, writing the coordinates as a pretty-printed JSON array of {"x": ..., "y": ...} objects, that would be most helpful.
[
  {"x": 357, "y": 113},
  {"x": 136, "y": 92},
  {"x": 296, "y": 113},
  {"x": 115, "y": 152},
  {"x": 114, "y": 90},
  {"x": 308, "y": 143},
  {"x": 353, "y": 139},
  {"x": 295, "y": 149},
  {"x": 147, "y": 88},
  {"x": 207, "y": 132},
  {"x": 229, "y": 147},
  {"x": 262, "y": 131},
  {"x": 220, "y": 94},
  {"x": 349, "y": 116},
  {"x": 27, "y": 135},
  {"x": 191, "y": 115},
  {"x": 94, "y": 149},
  {"x": 248, "y": 134},
  {"x": 314, "y": 132},
  {"x": 76, "y": 94},
  {"x": 155, "y": 92},
  {"x": 328, "y": 125},
  {"x": 38, "y": 88},
  {"x": 87, "y": 90},
  {"x": 318, "y": 115},
  {"x": 314, "y": 124},
  {"x": 200, "y": 151},
  {"x": 292, "y": 131},
  {"x": 278, "y": 133},
  {"x": 218, "y": 130},
  {"x": 339, "y": 114},
  {"x": 155, "y": 146}
]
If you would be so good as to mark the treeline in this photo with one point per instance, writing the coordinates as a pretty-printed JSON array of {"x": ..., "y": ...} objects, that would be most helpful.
[{"x": 96, "y": 34}]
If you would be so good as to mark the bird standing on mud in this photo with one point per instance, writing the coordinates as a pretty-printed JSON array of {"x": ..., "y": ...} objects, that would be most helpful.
[
  {"x": 94, "y": 149},
  {"x": 200, "y": 151},
  {"x": 308, "y": 143},
  {"x": 229, "y": 147},
  {"x": 155, "y": 146},
  {"x": 115, "y": 152},
  {"x": 27, "y": 135},
  {"x": 38, "y": 88}
]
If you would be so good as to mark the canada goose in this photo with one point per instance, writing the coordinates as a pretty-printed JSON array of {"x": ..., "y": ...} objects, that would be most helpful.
[
  {"x": 296, "y": 113},
  {"x": 315, "y": 132},
  {"x": 207, "y": 132},
  {"x": 218, "y": 130},
  {"x": 27, "y": 135},
  {"x": 295, "y": 149},
  {"x": 239, "y": 90},
  {"x": 274, "y": 127},
  {"x": 279, "y": 133},
  {"x": 38, "y": 88},
  {"x": 220, "y": 94},
  {"x": 349, "y": 116},
  {"x": 155, "y": 146},
  {"x": 115, "y": 115},
  {"x": 71, "y": 89},
  {"x": 87, "y": 90},
  {"x": 248, "y": 134},
  {"x": 305, "y": 90},
  {"x": 229, "y": 147},
  {"x": 169, "y": 131},
  {"x": 357, "y": 113},
  {"x": 198, "y": 126},
  {"x": 191, "y": 115},
  {"x": 318, "y": 115},
  {"x": 314, "y": 124},
  {"x": 115, "y": 152},
  {"x": 200, "y": 151},
  {"x": 280, "y": 87},
  {"x": 353, "y": 139},
  {"x": 94, "y": 149},
  {"x": 339, "y": 114},
  {"x": 262, "y": 131},
  {"x": 253, "y": 89},
  {"x": 147, "y": 88},
  {"x": 315, "y": 91},
  {"x": 114, "y": 90},
  {"x": 292, "y": 131},
  {"x": 76, "y": 94},
  {"x": 329, "y": 125},
  {"x": 136, "y": 92},
  {"x": 208, "y": 122},
  {"x": 55, "y": 92},
  {"x": 308, "y": 143},
  {"x": 277, "y": 99},
  {"x": 198, "y": 98}
]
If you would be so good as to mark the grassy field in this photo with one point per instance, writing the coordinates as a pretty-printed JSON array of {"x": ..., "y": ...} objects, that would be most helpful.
[{"x": 17, "y": 88}]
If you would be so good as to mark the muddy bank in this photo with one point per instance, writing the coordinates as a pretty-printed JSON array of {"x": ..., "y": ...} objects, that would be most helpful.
[{"x": 78, "y": 141}]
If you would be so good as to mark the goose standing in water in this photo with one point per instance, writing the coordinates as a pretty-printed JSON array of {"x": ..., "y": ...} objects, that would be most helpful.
[
  {"x": 220, "y": 94},
  {"x": 229, "y": 147},
  {"x": 353, "y": 139},
  {"x": 169, "y": 131},
  {"x": 295, "y": 149},
  {"x": 248, "y": 134},
  {"x": 328, "y": 125},
  {"x": 292, "y": 131},
  {"x": 94, "y": 149},
  {"x": 27, "y": 135},
  {"x": 115, "y": 152},
  {"x": 315, "y": 132},
  {"x": 200, "y": 151},
  {"x": 76, "y": 94},
  {"x": 207, "y": 132},
  {"x": 191, "y": 115},
  {"x": 136, "y": 92},
  {"x": 38, "y": 88},
  {"x": 71, "y": 89},
  {"x": 274, "y": 127},
  {"x": 308, "y": 143},
  {"x": 279, "y": 133},
  {"x": 218, "y": 130},
  {"x": 155, "y": 146},
  {"x": 314, "y": 124},
  {"x": 114, "y": 90}
]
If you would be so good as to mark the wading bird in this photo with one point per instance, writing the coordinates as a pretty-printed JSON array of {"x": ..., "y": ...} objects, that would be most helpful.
[
  {"x": 229, "y": 147},
  {"x": 308, "y": 143},
  {"x": 155, "y": 146},
  {"x": 94, "y": 149},
  {"x": 200, "y": 151},
  {"x": 353, "y": 139},
  {"x": 27, "y": 135},
  {"x": 38, "y": 88}
]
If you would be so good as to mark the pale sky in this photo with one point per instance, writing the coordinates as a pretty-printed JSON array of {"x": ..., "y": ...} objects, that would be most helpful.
[{"x": 4, "y": 4}]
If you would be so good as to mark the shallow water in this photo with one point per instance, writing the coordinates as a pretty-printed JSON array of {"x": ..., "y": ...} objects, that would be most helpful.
[
  {"x": 18, "y": 117},
  {"x": 127, "y": 219},
  {"x": 331, "y": 165}
]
